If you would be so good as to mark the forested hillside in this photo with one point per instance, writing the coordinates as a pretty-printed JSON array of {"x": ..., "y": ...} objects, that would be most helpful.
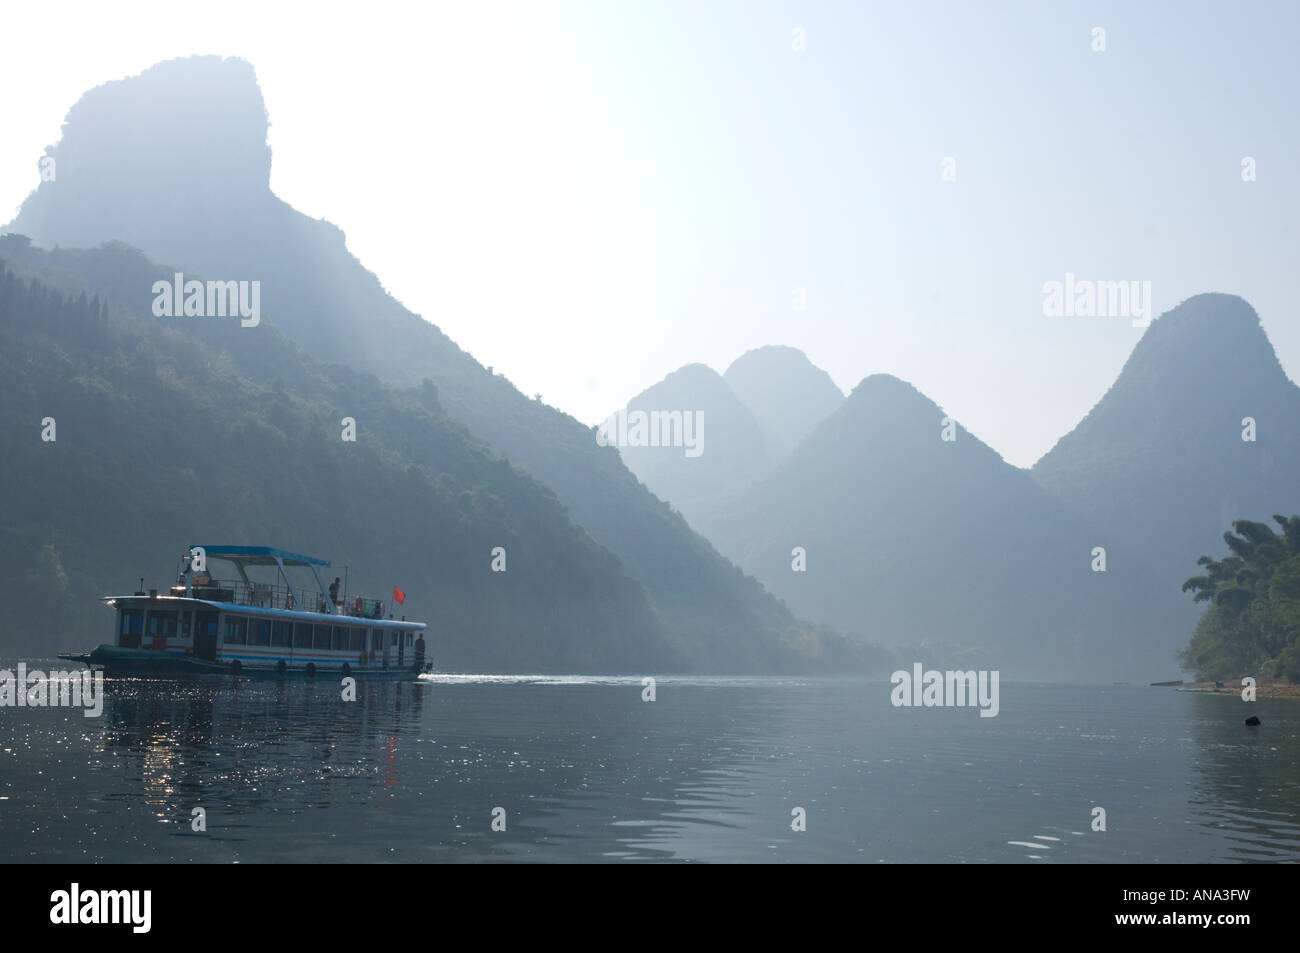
[{"x": 174, "y": 431}]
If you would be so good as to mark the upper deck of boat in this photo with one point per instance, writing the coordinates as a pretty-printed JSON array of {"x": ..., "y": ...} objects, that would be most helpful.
[{"x": 270, "y": 599}]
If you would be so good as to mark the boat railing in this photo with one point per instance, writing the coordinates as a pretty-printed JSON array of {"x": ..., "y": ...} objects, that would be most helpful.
[{"x": 268, "y": 596}]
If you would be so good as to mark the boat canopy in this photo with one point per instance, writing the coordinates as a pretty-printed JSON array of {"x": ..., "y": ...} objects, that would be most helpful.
[
  {"x": 245, "y": 557},
  {"x": 259, "y": 556}
]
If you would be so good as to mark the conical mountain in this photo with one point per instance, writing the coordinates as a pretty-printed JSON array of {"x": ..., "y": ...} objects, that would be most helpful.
[
  {"x": 1165, "y": 461},
  {"x": 914, "y": 539},
  {"x": 175, "y": 162},
  {"x": 692, "y": 405},
  {"x": 786, "y": 392}
]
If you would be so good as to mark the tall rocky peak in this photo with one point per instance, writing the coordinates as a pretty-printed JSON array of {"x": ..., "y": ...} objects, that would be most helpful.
[{"x": 183, "y": 143}]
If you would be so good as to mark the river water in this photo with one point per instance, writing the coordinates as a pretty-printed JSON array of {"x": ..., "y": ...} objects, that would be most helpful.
[{"x": 583, "y": 769}]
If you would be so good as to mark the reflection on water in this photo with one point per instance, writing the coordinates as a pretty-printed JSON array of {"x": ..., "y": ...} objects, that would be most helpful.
[{"x": 585, "y": 770}]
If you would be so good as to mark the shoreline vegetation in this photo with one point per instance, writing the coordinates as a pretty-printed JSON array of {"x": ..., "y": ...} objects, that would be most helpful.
[{"x": 1252, "y": 623}]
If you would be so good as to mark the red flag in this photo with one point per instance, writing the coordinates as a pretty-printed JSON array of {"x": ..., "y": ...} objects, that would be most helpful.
[{"x": 399, "y": 596}]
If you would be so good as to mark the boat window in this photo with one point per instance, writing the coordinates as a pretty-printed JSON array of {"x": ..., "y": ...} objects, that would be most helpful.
[
  {"x": 261, "y": 634},
  {"x": 132, "y": 622},
  {"x": 236, "y": 630},
  {"x": 321, "y": 639},
  {"x": 185, "y": 624},
  {"x": 410, "y": 639},
  {"x": 377, "y": 640},
  {"x": 358, "y": 639},
  {"x": 302, "y": 635},
  {"x": 162, "y": 623},
  {"x": 281, "y": 633},
  {"x": 395, "y": 639},
  {"x": 340, "y": 639}
]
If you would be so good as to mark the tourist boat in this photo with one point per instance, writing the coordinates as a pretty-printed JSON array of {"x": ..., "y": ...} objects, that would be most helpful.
[{"x": 254, "y": 622}]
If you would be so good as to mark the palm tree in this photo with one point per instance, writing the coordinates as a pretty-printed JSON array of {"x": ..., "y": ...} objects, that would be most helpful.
[{"x": 1241, "y": 590}]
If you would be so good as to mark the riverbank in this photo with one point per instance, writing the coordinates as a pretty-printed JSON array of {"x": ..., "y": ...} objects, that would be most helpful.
[{"x": 1264, "y": 688}]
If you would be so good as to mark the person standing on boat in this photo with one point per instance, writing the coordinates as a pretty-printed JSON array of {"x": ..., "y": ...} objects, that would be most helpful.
[{"x": 334, "y": 591}]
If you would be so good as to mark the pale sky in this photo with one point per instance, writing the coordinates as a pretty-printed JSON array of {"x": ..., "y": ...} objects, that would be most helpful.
[{"x": 587, "y": 196}]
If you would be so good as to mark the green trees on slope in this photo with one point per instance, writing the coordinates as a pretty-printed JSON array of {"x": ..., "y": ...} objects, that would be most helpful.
[
  {"x": 171, "y": 433},
  {"x": 1253, "y": 619}
]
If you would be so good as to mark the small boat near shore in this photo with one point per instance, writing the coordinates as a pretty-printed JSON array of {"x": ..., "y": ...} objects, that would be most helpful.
[{"x": 255, "y": 623}]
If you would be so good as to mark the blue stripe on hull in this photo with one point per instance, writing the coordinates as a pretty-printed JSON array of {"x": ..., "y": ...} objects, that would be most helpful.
[{"x": 117, "y": 661}]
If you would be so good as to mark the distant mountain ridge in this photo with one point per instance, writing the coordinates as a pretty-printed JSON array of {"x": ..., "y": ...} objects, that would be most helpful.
[
  {"x": 921, "y": 540},
  {"x": 1150, "y": 479},
  {"x": 754, "y": 415}
]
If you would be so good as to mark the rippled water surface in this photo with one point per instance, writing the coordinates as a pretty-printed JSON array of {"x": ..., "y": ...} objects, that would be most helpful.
[{"x": 711, "y": 770}]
